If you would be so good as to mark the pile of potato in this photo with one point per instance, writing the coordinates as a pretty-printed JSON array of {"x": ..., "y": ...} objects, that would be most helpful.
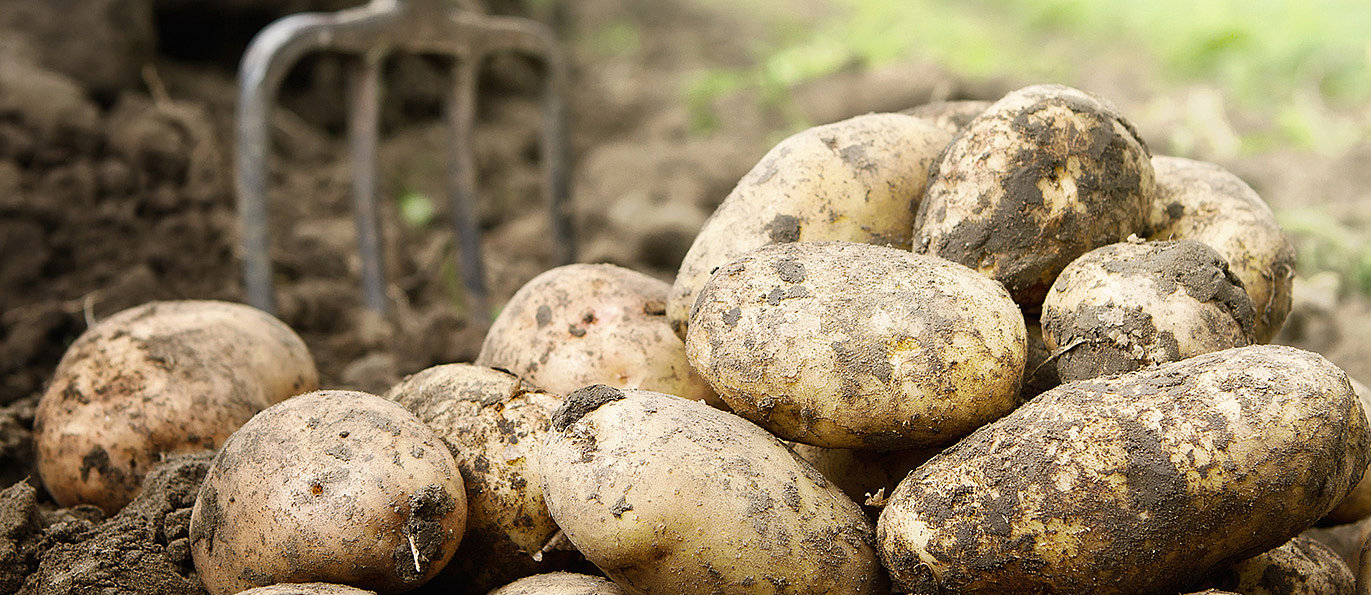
[{"x": 861, "y": 395}]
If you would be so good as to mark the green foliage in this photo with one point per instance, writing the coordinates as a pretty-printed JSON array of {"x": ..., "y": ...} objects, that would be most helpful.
[{"x": 416, "y": 209}]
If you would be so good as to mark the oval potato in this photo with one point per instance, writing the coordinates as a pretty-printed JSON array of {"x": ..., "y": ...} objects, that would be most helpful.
[{"x": 1301, "y": 566}]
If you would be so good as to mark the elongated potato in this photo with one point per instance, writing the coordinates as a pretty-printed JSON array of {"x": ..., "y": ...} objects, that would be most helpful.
[
  {"x": 1041, "y": 177},
  {"x": 561, "y": 583},
  {"x": 1136, "y": 483},
  {"x": 159, "y": 379},
  {"x": 859, "y": 180},
  {"x": 668, "y": 495},
  {"x": 1205, "y": 202},
  {"x": 847, "y": 345},
  {"x": 1301, "y": 566}
]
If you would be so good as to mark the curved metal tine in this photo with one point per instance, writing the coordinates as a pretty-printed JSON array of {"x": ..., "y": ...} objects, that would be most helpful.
[
  {"x": 364, "y": 130},
  {"x": 462, "y": 191}
]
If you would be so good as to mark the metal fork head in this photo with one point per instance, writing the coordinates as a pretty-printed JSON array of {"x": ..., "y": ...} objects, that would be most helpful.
[{"x": 372, "y": 32}]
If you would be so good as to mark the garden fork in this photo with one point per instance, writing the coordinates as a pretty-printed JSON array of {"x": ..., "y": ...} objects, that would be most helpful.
[{"x": 433, "y": 27}]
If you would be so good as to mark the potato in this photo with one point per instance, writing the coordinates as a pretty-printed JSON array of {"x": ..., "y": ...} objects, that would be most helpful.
[
  {"x": 1041, "y": 177},
  {"x": 1302, "y": 566},
  {"x": 306, "y": 589},
  {"x": 1136, "y": 483},
  {"x": 1357, "y": 504},
  {"x": 155, "y": 380},
  {"x": 847, "y": 345},
  {"x": 1204, "y": 202},
  {"x": 668, "y": 495},
  {"x": 1364, "y": 569},
  {"x": 585, "y": 324},
  {"x": 1130, "y": 305},
  {"x": 859, "y": 180},
  {"x": 1345, "y": 540},
  {"x": 952, "y": 116},
  {"x": 493, "y": 425},
  {"x": 330, "y": 486},
  {"x": 561, "y": 583},
  {"x": 862, "y": 474},
  {"x": 1040, "y": 369}
]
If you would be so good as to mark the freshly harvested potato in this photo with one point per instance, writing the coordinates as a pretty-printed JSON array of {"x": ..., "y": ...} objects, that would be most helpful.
[
  {"x": 584, "y": 324},
  {"x": 155, "y": 380},
  {"x": 1039, "y": 370},
  {"x": 952, "y": 116},
  {"x": 862, "y": 474},
  {"x": 493, "y": 425},
  {"x": 330, "y": 486},
  {"x": 858, "y": 180},
  {"x": 1205, "y": 202},
  {"x": 1345, "y": 540},
  {"x": 307, "y": 589},
  {"x": 1041, "y": 177},
  {"x": 1357, "y": 504},
  {"x": 1301, "y": 566},
  {"x": 668, "y": 495},
  {"x": 1135, "y": 483},
  {"x": 1135, "y": 304},
  {"x": 561, "y": 583},
  {"x": 847, "y": 345}
]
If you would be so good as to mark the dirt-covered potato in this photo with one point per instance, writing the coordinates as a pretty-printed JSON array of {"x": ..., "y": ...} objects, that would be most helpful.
[
  {"x": 1345, "y": 540},
  {"x": 1040, "y": 369},
  {"x": 493, "y": 425},
  {"x": 862, "y": 474},
  {"x": 668, "y": 495},
  {"x": 330, "y": 486},
  {"x": 859, "y": 180},
  {"x": 952, "y": 116},
  {"x": 1134, "y": 483},
  {"x": 561, "y": 583},
  {"x": 584, "y": 324},
  {"x": 159, "y": 379},
  {"x": 1301, "y": 566},
  {"x": 306, "y": 589},
  {"x": 848, "y": 345},
  {"x": 1135, "y": 304},
  {"x": 1041, "y": 177},
  {"x": 1205, "y": 202},
  {"x": 1357, "y": 504}
]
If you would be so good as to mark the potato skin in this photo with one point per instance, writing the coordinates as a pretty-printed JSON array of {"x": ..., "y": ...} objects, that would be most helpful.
[
  {"x": 306, "y": 589},
  {"x": 952, "y": 116},
  {"x": 1135, "y": 483},
  {"x": 1301, "y": 566},
  {"x": 862, "y": 473},
  {"x": 584, "y": 324},
  {"x": 668, "y": 495},
  {"x": 154, "y": 380},
  {"x": 1205, "y": 202},
  {"x": 1044, "y": 175},
  {"x": 1357, "y": 505},
  {"x": 858, "y": 180},
  {"x": 847, "y": 345},
  {"x": 561, "y": 583},
  {"x": 330, "y": 486}
]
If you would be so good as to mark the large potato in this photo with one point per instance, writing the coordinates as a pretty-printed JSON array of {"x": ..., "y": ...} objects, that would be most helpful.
[
  {"x": 159, "y": 379},
  {"x": 1041, "y": 177},
  {"x": 849, "y": 345},
  {"x": 584, "y": 324},
  {"x": 1204, "y": 202},
  {"x": 859, "y": 180},
  {"x": 306, "y": 589},
  {"x": 561, "y": 583},
  {"x": 668, "y": 495},
  {"x": 1135, "y": 483},
  {"x": 1301, "y": 566}
]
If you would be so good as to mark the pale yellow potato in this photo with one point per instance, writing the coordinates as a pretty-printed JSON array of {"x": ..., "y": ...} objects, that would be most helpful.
[
  {"x": 584, "y": 324},
  {"x": 1357, "y": 505},
  {"x": 668, "y": 495},
  {"x": 1141, "y": 482},
  {"x": 306, "y": 589},
  {"x": 159, "y": 379},
  {"x": 952, "y": 116},
  {"x": 847, "y": 345},
  {"x": 561, "y": 583},
  {"x": 858, "y": 180},
  {"x": 1205, "y": 202},
  {"x": 1301, "y": 566}
]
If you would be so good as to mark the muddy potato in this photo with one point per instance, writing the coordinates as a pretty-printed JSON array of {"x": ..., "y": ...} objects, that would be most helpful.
[
  {"x": 159, "y": 379},
  {"x": 561, "y": 583},
  {"x": 847, "y": 345},
  {"x": 1041, "y": 177},
  {"x": 584, "y": 324},
  {"x": 866, "y": 476},
  {"x": 859, "y": 180},
  {"x": 1357, "y": 504},
  {"x": 329, "y": 486},
  {"x": 668, "y": 495},
  {"x": 493, "y": 425},
  {"x": 1301, "y": 566},
  {"x": 952, "y": 116},
  {"x": 1135, "y": 483},
  {"x": 1345, "y": 540},
  {"x": 1204, "y": 202},
  {"x": 306, "y": 589},
  {"x": 1135, "y": 304}
]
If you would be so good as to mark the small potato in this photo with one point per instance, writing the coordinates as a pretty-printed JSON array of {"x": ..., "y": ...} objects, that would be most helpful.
[
  {"x": 952, "y": 116},
  {"x": 159, "y": 379},
  {"x": 1041, "y": 177},
  {"x": 1131, "y": 305},
  {"x": 668, "y": 495},
  {"x": 330, "y": 486},
  {"x": 1357, "y": 504},
  {"x": 586, "y": 324},
  {"x": 306, "y": 589},
  {"x": 561, "y": 583},
  {"x": 866, "y": 476},
  {"x": 1141, "y": 482},
  {"x": 1204, "y": 202},
  {"x": 858, "y": 180},
  {"x": 847, "y": 345},
  {"x": 1302, "y": 566}
]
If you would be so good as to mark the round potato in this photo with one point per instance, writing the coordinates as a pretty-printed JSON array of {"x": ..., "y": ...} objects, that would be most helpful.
[
  {"x": 159, "y": 379},
  {"x": 1357, "y": 504},
  {"x": 561, "y": 583},
  {"x": 1345, "y": 540},
  {"x": 330, "y": 486},
  {"x": 952, "y": 116},
  {"x": 1204, "y": 202},
  {"x": 306, "y": 589},
  {"x": 668, "y": 495},
  {"x": 1301, "y": 566},
  {"x": 1041, "y": 177},
  {"x": 859, "y": 180},
  {"x": 584, "y": 324},
  {"x": 847, "y": 345},
  {"x": 1141, "y": 482},
  {"x": 1131, "y": 305}
]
